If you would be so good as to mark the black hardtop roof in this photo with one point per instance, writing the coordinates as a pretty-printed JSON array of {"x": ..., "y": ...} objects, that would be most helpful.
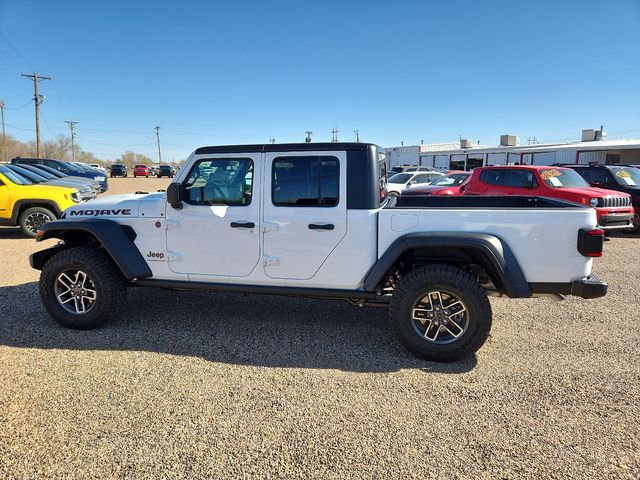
[
  {"x": 285, "y": 147},
  {"x": 598, "y": 165}
]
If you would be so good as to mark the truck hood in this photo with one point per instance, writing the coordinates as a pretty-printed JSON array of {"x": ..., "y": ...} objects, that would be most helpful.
[
  {"x": 591, "y": 192},
  {"x": 120, "y": 206}
]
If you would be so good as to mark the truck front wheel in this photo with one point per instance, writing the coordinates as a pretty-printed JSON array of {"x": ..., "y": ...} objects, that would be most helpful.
[
  {"x": 81, "y": 288},
  {"x": 440, "y": 313}
]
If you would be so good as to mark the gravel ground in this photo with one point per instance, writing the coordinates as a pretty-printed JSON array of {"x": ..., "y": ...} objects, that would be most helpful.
[{"x": 190, "y": 385}]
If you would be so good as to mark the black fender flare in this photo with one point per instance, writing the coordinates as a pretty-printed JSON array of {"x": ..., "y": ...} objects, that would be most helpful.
[
  {"x": 116, "y": 239},
  {"x": 33, "y": 202},
  {"x": 495, "y": 255}
]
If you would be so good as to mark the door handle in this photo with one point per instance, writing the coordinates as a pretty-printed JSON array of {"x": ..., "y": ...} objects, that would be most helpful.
[
  {"x": 243, "y": 225},
  {"x": 321, "y": 226}
]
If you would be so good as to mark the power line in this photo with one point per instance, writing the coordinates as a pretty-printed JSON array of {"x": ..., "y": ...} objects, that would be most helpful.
[
  {"x": 26, "y": 62},
  {"x": 20, "y": 108}
]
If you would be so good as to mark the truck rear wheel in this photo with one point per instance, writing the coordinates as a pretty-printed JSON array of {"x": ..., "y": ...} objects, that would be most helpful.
[
  {"x": 33, "y": 218},
  {"x": 440, "y": 313},
  {"x": 81, "y": 288}
]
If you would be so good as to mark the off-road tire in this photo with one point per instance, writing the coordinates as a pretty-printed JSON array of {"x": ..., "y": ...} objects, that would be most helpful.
[
  {"x": 414, "y": 286},
  {"x": 30, "y": 212},
  {"x": 110, "y": 286}
]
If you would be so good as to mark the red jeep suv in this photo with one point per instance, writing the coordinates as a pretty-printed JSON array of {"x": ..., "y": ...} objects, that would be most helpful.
[
  {"x": 613, "y": 208},
  {"x": 140, "y": 171}
]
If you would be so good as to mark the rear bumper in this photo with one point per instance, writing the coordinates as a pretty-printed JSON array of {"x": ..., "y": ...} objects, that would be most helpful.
[{"x": 589, "y": 287}]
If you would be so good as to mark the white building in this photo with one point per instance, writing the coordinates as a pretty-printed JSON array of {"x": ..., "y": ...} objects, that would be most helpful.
[{"x": 464, "y": 155}]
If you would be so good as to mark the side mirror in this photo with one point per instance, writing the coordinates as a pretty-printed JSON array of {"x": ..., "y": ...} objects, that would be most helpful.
[{"x": 173, "y": 196}]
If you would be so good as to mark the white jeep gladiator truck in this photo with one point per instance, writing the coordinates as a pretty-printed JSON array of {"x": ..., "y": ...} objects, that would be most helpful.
[{"x": 313, "y": 220}]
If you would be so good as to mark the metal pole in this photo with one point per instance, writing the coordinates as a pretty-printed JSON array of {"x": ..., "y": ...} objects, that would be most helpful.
[
  {"x": 4, "y": 134},
  {"x": 72, "y": 126},
  {"x": 36, "y": 99},
  {"x": 158, "y": 137}
]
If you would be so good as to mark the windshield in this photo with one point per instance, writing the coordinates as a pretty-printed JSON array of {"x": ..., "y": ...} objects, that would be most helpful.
[
  {"x": 401, "y": 178},
  {"x": 37, "y": 171},
  {"x": 14, "y": 177},
  {"x": 562, "y": 178},
  {"x": 627, "y": 177},
  {"x": 33, "y": 177},
  {"x": 453, "y": 180},
  {"x": 52, "y": 171}
]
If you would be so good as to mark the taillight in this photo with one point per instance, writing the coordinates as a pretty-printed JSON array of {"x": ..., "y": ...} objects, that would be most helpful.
[{"x": 591, "y": 242}]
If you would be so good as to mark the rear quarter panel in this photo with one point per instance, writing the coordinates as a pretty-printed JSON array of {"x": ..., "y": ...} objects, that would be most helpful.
[{"x": 544, "y": 241}]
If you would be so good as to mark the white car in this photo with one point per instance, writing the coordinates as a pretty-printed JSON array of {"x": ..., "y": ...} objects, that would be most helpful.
[{"x": 401, "y": 181}]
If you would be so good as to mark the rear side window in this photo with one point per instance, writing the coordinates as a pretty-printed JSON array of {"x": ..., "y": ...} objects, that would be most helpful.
[
  {"x": 309, "y": 181},
  {"x": 493, "y": 176}
]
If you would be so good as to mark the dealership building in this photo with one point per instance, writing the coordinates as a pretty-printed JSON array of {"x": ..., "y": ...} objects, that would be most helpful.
[{"x": 465, "y": 155}]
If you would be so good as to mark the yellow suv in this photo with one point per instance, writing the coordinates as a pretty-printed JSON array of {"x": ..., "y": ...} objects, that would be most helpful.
[{"x": 29, "y": 206}]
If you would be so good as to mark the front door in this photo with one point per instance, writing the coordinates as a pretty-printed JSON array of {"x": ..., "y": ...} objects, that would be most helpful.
[
  {"x": 305, "y": 211},
  {"x": 217, "y": 230}
]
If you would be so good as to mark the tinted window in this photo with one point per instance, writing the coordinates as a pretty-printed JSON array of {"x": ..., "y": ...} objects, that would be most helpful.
[
  {"x": 400, "y": 178},
  {"x": 520, "y": 178},
  {"x": 220, "y": 181},
  {"x": 305, "y": 181},
  {"x": 493, "y": 177}
]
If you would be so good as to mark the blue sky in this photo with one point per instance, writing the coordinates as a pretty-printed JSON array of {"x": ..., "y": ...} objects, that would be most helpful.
[{"x": 245, "y": 71}]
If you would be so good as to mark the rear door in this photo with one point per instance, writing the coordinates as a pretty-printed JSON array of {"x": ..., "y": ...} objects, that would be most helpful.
[{"x": 304, "y": 213}]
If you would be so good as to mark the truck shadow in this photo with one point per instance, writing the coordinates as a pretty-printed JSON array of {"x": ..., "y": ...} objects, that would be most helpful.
[{"x": 229, "y": 328}]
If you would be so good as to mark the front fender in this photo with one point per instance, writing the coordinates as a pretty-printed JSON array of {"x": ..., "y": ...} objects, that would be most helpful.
[
  {"x": 113, "y": 237},
  {"x": 494, "y": 255}
]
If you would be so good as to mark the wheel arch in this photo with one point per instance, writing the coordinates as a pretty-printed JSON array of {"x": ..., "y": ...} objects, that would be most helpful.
[
  {"x": 488, "y": 251},
  {"x": 117, "y": 240},
  {"x": 25, "y": 203}
]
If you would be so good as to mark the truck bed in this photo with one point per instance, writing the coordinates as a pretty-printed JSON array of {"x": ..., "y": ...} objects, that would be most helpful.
[{"x": 542, "y": 238}]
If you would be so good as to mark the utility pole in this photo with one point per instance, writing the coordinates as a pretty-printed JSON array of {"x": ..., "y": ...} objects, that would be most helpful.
[
  {"x": 357, "y": 132},
  {"x": 158, "y": 137},
  {"x": 4, "y": 134},
  {"x": 308, "y": 137},
  {"x": 72, "y": 126},
  {"x": 334, "y": 135},
  {"x": 38, "y": 99}
]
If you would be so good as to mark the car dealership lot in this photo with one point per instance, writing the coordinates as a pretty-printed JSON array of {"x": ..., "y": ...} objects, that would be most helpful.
[{"x": 200, "y": 385}]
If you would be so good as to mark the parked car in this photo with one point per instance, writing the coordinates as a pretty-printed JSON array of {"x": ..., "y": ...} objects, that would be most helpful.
[
  {"x": 97, "y": 167},
  {"x": 400, "y": 181},
  {"x": 316, "y": 223},
  {"x": 80, "y": 183},
  {"x": 614, "y": 177},
  {"x": 38, "y": 178},
  {"x": 90, "y": 182},
  {"x": 165, "y": 171},
  {"x": 153, "y": 171},
  {"x": 448, "y": 185},
  {"x": 68, "y": 169},
  {"x": 420, "y": 169},
  {"x": 30, "y": 206},
  {"x": 140, "y": 171},
  {"x": 613, "y": 208},
  {"x": 118, "y": 170}
]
